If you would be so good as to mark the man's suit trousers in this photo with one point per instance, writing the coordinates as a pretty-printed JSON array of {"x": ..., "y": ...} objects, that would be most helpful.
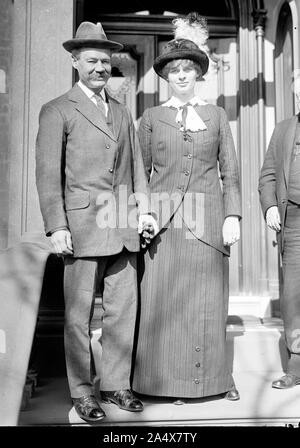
[
  {"x": 290, "y": 301},
  {"x": 118, "y": 274}
]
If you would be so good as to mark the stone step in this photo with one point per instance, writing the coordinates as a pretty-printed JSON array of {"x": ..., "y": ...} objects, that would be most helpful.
[
  {"x": 260, "y": 405},
  {"x": 255, "y": 344},
  {"x": 256, "y": 353}
]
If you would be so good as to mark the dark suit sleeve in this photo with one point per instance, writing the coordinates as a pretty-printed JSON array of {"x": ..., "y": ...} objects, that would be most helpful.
[
  {"x": 140, "y": 183},
  {"x": 229, "y": 169},
  {"x": 144, "y": 134},
  {"x": 267, "y": 179},
  {"x": 50, "y": 160}
]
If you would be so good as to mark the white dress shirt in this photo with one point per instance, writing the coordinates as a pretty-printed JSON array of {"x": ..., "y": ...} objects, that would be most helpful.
[{"x": 91, "y": 95}]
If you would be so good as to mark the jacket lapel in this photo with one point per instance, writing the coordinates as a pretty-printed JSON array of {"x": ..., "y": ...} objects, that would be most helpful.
[
  {"x": 116, "y": 115},
  {"x": 202, "y": 112},
  {"x": 287, "y": 146},
  {"x": 168, "y": 116},
  {"x": 86, "y": 107}
]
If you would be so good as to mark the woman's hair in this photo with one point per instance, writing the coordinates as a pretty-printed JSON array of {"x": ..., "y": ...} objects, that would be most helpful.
[{"x": 184, "y": 63}]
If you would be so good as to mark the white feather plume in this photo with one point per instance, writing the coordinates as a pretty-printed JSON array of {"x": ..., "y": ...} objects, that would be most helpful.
[{"x": 193, "y": 27}]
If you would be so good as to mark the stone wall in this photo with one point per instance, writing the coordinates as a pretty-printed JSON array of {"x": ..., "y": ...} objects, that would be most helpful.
[{"x": 5, "y": 109}]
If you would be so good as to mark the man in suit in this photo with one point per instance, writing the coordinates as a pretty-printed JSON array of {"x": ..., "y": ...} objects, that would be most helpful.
[
  {"x": 90, "y": 180},
  {"x": 279, "y": 188}
]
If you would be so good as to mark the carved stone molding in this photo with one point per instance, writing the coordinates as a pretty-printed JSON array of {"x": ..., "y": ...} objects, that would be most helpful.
[
  {"x": 123, "y": 87},
  {"x": 259, "y": 19},
  {"x": 125, "y": 63}
]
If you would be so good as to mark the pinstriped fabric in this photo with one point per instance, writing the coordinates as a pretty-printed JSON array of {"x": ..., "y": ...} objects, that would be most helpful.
[
  {"x": 183, "y": 166},
  {"x": 181, "y": 341},
  {"x": 184, "y": 289}
]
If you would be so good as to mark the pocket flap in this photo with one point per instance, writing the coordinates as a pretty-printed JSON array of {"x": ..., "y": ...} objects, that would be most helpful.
[{"x": 77, "y": 200}]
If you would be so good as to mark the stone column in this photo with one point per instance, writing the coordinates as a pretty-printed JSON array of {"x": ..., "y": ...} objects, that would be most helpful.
[
  {"x": 259, "y": 22},
  {"x": 252, "y": 142},
  {"x": 5, "y": 91},
  {"x": 41, "y": 71}
]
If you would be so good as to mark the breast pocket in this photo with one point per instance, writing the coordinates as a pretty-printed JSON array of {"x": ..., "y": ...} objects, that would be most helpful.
[{"x": 159, "y": 153}]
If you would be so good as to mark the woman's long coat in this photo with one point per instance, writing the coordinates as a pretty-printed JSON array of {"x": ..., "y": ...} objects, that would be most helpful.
[
  {"x": 184, "y": 289},
  {"x": 189, "y": 165}
]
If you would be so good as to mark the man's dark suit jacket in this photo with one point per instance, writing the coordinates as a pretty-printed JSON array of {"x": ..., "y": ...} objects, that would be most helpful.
[
  {"x": 274, "y": 176},
  {"x": 80, "y": 160}
]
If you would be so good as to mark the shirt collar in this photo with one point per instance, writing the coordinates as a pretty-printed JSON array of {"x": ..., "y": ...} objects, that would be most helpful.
[
  {"x": 175, "y": 102},
  {"x": 89, "y": 92}
]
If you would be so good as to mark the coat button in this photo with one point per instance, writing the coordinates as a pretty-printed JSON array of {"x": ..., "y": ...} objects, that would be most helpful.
[
  {"x": 283, "y": 201},
  {"x": 197, "y": 364},
  {"x": 187, "y": 172},
  {"x": 196, "y": 381},
  {"x": 107, "y": 146},
  {"x": 197, "y": 348},
  {"x": 189, "y": 156},
  {"x": 111, "y": 170}
]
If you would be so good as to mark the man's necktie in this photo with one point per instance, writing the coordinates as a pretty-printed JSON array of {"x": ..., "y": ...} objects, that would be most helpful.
[{"x": 100, "y": 104}]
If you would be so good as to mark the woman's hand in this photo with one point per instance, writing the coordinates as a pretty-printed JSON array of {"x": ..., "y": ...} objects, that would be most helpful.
[
  {"x": 273, "y": 218},
  {"x": 231, "y": 230},
  {"x": 147, "y": 228}
]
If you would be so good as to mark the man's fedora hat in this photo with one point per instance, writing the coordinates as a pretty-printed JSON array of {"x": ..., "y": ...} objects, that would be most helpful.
[
  {"x": 90, "y": 35},
  {"x": 181, "y": 49}
]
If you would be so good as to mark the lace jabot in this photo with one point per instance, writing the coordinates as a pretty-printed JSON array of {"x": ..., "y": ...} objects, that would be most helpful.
[{"x": 186, "y": 116}]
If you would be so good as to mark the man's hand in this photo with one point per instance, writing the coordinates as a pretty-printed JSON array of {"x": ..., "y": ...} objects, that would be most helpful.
[
  {"x": 231, "y": 230},
  {"x": 273, "y": 218},
  {"x": 148, "y": 228},
  {"x": 62, "y": 242}
]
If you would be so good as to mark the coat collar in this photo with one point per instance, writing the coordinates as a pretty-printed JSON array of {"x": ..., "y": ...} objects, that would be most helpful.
[
  {"x": 168, "y": 115},
  {"x": 86, "y": 107},
  {"x": 288, "y": 139}
]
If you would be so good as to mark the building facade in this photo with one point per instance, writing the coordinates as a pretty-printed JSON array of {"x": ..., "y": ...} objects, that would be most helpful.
[{"x": 254, "y": 45}]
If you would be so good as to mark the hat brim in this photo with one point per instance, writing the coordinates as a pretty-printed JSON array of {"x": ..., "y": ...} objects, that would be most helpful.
[
  {"x": 195, "y": 55},
  {"x": 73, "y": 44}
]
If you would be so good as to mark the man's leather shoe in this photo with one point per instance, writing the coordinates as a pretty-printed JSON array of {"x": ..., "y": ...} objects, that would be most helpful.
[
  {"x": 87, "y": 407},
  {"x": 232, "y": 394},
  {"x": 124, "y": 399},
  {"x": 286, "y": 381}
]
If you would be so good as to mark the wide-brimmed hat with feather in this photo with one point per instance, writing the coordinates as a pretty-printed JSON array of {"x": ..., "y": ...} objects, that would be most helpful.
[
  {"x": 191, "y": 34},
  {"x": 91, "y": 35}
]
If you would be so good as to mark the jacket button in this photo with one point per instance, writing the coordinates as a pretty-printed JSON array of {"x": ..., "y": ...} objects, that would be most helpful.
[
  {"x": 189, "y": 156},
  {"x": 186, "y": 172},
  {"x": 197, "y": 348},
  {"x": 196, "y": 381},
  {"x": 197, "y": 364},
  {"x": 283, "y": 201},
  {"x": 111, "y": 170},
  {"x": 107, "y": 146}
]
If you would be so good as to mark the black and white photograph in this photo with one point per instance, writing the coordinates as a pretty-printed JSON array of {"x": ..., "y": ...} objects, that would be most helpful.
[{"x": 149, "y": 217}]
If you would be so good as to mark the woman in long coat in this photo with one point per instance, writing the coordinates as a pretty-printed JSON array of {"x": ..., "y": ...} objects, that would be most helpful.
[{"x": 184, "y": 287}]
